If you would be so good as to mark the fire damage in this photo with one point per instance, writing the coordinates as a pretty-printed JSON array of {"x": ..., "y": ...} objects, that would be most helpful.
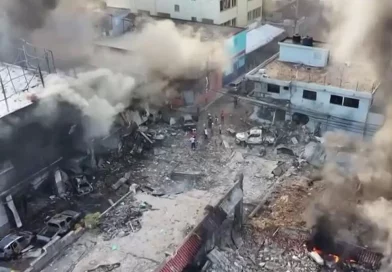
[{"x": 143, "y": 199}]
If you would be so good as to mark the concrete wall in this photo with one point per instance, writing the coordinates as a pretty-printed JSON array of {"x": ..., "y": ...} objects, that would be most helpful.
[
  {"x": 294, "y": 92},
  {"x": 307, "y": 55},
  {"x": 54, "y": 248},
  {"x": 236, "y": 46}
]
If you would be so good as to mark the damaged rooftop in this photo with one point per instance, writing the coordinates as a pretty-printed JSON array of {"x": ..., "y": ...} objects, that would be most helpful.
[{"x": 316, "y": 64}]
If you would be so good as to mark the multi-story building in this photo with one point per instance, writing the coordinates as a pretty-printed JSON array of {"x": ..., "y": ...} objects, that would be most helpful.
[
  {"x": 199, "y": 91},
  {"x": 223, "y": 12},
  {"x": 303, "y": 81}
]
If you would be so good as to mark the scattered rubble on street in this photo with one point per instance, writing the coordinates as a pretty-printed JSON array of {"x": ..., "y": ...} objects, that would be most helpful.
[{"x": 160, "y": 189}]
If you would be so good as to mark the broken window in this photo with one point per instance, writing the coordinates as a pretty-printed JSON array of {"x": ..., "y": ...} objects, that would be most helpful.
[
  {"x": 351, "y": 102},
  {"x": 234, "y": 3},
  {"x": 310, "y": 95},
  {"x": 234, "y": 23},
  {"x": 273, "y": 88},
  {"x": 336, "y": 99},
  {"x": 177, "y": 8},
  {"x": 286, "y": 88},
  {"x": 249, "y": 16}
]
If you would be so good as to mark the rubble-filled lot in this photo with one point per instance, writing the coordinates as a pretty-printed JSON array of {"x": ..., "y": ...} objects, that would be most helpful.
[{"x": 175, "y": 183}]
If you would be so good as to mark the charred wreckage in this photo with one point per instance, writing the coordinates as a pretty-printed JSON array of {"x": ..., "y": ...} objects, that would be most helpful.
[{"x": 52, "y": 155}]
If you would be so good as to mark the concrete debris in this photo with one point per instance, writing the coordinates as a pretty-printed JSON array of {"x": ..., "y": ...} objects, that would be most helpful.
[
  {"x": 33, "y": 253},
  {"x": 226, "y": 144},
  {"x": 269, "y": 257},
  {"x": 314, "y": 154},
  {"x": 236, "y": 157},
  {"x": 172, "y": 121},
  {"x": 294, "y": 140},
  {"x": 123, "y": 220},
  {"x": 176, "y": 175},
  {"x": 105, "y": 267},
  {"x": 281, "y": 149},
  {"x": 281, "y": 169},
  {"x": 231, "y": 132},
  {"x": 316, "y": 257},
  {"x": 119, "y": 183},
  {"x": 220, "y": 261}
]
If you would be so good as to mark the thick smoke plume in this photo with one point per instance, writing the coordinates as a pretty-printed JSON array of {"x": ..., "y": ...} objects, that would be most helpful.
[
  {"x": 359, "y": 202},
  {"x": 161, "y": 57}
]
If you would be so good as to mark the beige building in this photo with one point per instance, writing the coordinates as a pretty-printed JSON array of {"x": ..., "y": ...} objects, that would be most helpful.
[{"x": 222, "y": 12}]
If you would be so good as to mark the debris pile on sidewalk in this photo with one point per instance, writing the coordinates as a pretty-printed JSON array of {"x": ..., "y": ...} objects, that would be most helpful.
[{"x": 124, "y": 219}]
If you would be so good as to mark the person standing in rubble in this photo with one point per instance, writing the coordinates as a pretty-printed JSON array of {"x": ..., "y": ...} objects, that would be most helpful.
[
  {"x": 193, "y": 142},
  {"x": 222, "y": 117},
  {"x": 205, "y": 133},
  {"x": 209, "y": 121},
  {"x": 235, "y": 101}
]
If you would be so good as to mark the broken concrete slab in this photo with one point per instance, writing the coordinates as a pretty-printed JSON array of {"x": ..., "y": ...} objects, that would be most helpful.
[
  {"x": 281, "y": 169},
  {"x": 314, "y": 154},
  {"x": 294, "y": 140},
  {"x": 177, "y": 175},
  {"x": 282, "y": 149},
  {"x": 219, "y": 260}
]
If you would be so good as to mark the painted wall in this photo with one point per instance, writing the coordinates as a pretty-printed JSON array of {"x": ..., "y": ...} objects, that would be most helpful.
[
  {"x": 321, "y": 105},
  {"x": 311, "y": 56},
  {"x": 236, "y": 46}
]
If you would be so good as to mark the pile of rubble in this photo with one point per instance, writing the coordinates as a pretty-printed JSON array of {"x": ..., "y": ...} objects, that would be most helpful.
[
  {"x": 123, "y": 220},
  {"x": 261, "y": 254}
]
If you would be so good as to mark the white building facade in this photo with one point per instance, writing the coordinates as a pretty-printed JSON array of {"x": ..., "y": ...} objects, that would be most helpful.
[
  {"x": 301, "y": 80},
  {"x": 220, "y": 12}
]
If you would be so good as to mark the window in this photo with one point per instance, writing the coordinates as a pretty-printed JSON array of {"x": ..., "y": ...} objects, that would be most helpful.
[
  {"x": 310, "y": 95},
  {"x": 194, "y": 19},
  {"x": 177, "y": 8},
  {"x": 249, "y": 16},
  {"x": 351, "y": 102},
  {"x": 163, "y": 14},
  {"x": 234, "y": 23},
  {"x": 207, "y": 21},
  {"x": 336, "y": 99},
  {"x": 234, "y": 3},
  {"x": 286, "y": 88},
  {"x": 272, "y": 88},
  {"x": 226, "y": 4}
]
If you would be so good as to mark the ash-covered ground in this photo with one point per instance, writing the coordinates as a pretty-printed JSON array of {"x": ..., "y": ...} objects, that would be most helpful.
[{"x": 176, "y": 183}]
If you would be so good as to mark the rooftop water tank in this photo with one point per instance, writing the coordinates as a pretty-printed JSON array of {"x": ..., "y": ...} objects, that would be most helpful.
[
  {"x": 297, "y": 39},
  {"x": 307, "y": 41}
]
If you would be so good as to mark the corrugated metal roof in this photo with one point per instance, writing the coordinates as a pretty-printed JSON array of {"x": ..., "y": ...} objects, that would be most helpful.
[
  {"x": 261, "y": 36},
  {"x": 183, "y": 255}
]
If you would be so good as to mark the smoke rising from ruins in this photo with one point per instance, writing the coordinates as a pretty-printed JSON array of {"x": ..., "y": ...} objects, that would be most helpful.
[
  {"x": 362, "y": 31},
  {"x": 162, "y": 55}
]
